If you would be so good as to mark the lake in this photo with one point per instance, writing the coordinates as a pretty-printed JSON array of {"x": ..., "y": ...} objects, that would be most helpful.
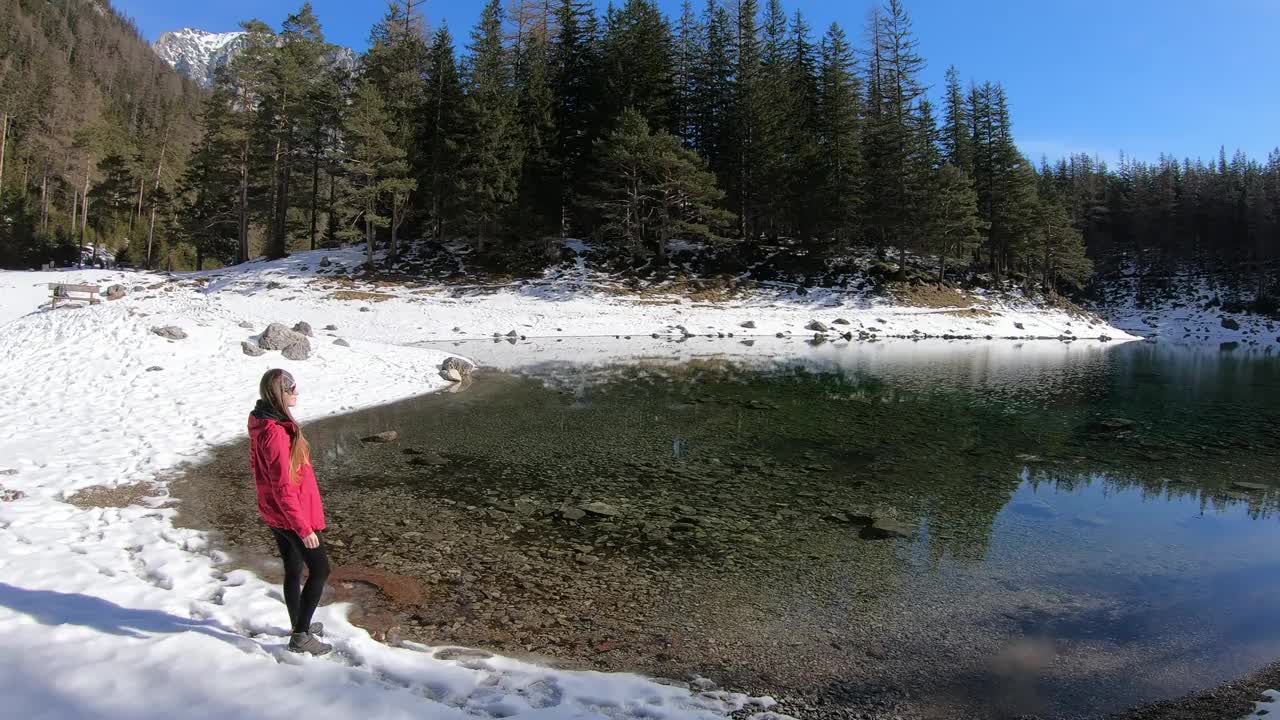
[{"x": 937, "y": 529}]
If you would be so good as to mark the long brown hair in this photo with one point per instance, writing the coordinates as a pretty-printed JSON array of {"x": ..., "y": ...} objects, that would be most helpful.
[{"x": 272, "y": 389}]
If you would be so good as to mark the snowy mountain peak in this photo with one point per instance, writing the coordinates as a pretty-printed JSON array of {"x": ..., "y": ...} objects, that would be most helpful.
[{"x": 196, "y": 53}]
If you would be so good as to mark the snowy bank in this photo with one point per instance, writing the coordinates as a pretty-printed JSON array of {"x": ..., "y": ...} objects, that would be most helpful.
[{"x": 113, "y": 612}]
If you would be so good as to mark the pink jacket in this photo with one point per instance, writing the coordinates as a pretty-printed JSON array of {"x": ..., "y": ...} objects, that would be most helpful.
[{"x": 283, "y": 503}]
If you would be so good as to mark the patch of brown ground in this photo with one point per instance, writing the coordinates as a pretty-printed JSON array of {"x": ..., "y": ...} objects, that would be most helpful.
[
  {"x": 930, "y": 295},
  {"x": 118, "y": 496},
  {"x": 361, "y": 295},
  {"x": 402, "y": 590},
  {"x": 7, "y": 495}
]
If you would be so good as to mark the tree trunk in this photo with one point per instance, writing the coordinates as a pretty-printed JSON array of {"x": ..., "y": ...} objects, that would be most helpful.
[
  {"x": 137, "y": 213},
  {"x": 4, "y": 139},
  {"x": 84, "y": 207},
  {"x": 75, "y": 217},
  {"x": 44, "y": 203},
  {"x": 244, "y": 203},
  {"x": 315, "y": 187},
  {"x": 151, "y": 227},
  {"x": 368, "y": 230},
  {"x": 331, "y": 235}
]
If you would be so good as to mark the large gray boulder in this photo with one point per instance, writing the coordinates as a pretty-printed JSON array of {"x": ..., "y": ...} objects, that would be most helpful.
[
  {"x": 278, "y": 337},
  {"x": 170, "y": 332},
  {"x": 817, "y": 326},
  {"x": 115, "y": 292},
  {"x": 300, "y": 350},
  {"x": 304, "y": 327},
  {"x": 455, "y": 369}
]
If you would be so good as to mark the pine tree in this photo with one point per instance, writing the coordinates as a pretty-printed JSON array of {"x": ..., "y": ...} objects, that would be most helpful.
[
  {"x": 396, "y": 64},
  {"x": 209, "y": 190},
  {"x": 712, "y": 101},
  {"x": 954, "y": 229},
  {"x": 576, "y": 79},
  {"x": 749, "y": 106},
  {"x": 442, "y": 135},
  {"x": 839, "y": 140},
  {"x": 957, "y": 126},
  {"x": 651, "y": 190},
  {"x": 1061, "y": 257},
  {"x": 894, "y": 128},
  {"x": 799, "y": 129},
  {"x": 639, "y": 70},
  {"x": 536, "y": 215},
  {"x": 247, "y": 77},
  {"x": 375, "y": 167},
  {"x": 490, "y": 165},
  {"x": 686, "y": 58}
]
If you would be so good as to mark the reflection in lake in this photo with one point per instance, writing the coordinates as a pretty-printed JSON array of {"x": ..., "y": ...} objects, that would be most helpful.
[{"x": 976, "y": 530}]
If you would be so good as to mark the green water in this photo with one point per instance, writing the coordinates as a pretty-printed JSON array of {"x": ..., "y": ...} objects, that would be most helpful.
[{"x": 1072, "y": 540}]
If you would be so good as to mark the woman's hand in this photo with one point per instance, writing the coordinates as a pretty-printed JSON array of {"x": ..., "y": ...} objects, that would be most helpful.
[{"x": 311, "y": 542}]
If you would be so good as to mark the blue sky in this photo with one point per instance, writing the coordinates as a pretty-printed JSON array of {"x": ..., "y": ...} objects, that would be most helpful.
[{"x": 1095, "y": 76}]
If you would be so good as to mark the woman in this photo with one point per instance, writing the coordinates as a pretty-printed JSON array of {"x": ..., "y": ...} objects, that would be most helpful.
[{"x": 289, "y": 502}]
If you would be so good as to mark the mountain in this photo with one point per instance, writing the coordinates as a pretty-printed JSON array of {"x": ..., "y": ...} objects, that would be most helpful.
[{"x": 198, "y": 54}]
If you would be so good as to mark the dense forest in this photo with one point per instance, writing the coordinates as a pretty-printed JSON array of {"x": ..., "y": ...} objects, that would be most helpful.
[{"x": 733, "y": 137}]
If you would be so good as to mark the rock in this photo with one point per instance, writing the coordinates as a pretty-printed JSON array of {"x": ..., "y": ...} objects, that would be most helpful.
[
  {"x": 366, "y": 309},
  {"x": 325, "y": 262},
  {"x": 278, "y": 337},
  {"x": 8, "y": 471},
  {"x": 513, "y": 334},
  {"x": 573, "y": 513},
  {"x": 300, "y": 350},
  {"x": 7, "y": 495},
  {"x": 251, "y": 350},
  {"x": 1111, "y": 425},
  {"x": 601, "y": 509},
  {"x": 1230, "y": 323},
  {"x": 304, "y": 328},
  {"x": 780, "y": 335},
  {"x": 1238, "y": 485},
  {"x": 817, "y": 326},
  {"x": 884, "y": 529},
  {"x": 749, "y": 325},
  {"x": 170, "y": 332},
  {"x": 246, "y": 324},
  {"x": 139, "y": 288},
  {"x": 115, "y": 292},
  {"x": 341, "y": 343},
  {"x": 429, "y": 459},
  {"x": 462, "y": 367},
  {"x": 840, "y": 321},
  {"x": 451, "y": 374},
  {"x": 331, "y": 328},
  {"x": 154, "y": 368},
  {"x": 1020, "y": 326},
  {"x": 382, "y": 437}
]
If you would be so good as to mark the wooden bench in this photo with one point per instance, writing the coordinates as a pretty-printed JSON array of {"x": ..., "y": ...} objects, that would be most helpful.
[{"x": 63, "y": 291}]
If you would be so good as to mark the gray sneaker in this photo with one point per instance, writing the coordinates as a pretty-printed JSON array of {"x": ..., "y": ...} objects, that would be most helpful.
[{"x": 307, "y": 643}]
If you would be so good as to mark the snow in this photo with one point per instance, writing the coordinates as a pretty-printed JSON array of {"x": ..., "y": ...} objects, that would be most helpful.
[
  {"x": 117, "y": 613},
  {"x": 1264, "y": 708},
  {"x": 1188, "y": 316}
]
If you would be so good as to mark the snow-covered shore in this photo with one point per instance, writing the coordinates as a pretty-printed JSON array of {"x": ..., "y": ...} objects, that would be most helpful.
[{"x": 115, "y": 613}]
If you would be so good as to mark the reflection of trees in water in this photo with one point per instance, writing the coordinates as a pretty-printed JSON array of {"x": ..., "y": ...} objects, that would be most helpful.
[
  {"x": 946, "y": 446},
  {"x": 1216, "y": 496}
]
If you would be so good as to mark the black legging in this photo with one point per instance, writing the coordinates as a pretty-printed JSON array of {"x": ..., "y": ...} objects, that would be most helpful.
[{"x": 301, "y": 600}]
